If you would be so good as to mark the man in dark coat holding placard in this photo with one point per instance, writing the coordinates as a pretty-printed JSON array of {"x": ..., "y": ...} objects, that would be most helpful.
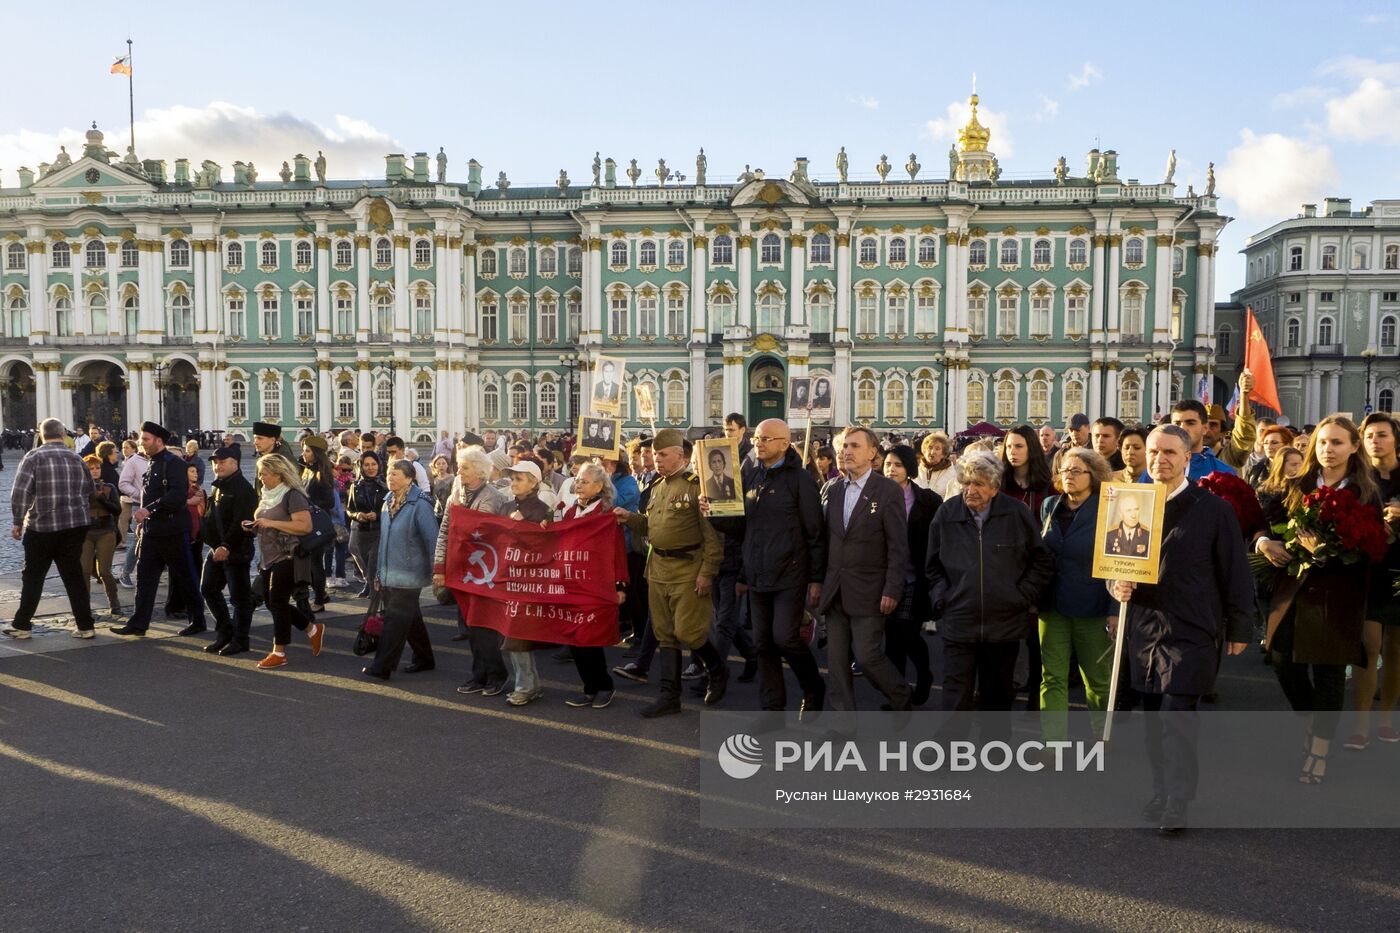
[{"x": 1204, "y": 597}]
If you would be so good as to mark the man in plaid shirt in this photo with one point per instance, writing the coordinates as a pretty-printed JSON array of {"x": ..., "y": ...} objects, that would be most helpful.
[{"x": 49, "y": 501}]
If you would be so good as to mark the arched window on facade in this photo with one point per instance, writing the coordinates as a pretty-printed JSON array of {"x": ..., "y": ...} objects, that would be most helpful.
[
  {"x": 865, "y": 399},
  {"x": 1006, "y": 399},
  {"x": 423, "y": 395},
  {"x": 306, "y": 400},
  {"x": 267, "y": 254},
  {"x": 383, "y": 252},
  {"x": 618, "y": 254}
]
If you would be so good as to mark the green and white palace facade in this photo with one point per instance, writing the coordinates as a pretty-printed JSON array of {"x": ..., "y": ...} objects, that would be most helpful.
[{"x": 130, "y": 290}]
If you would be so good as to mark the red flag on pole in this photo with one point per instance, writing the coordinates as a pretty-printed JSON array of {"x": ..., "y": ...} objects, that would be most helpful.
[{"x": 1258, "y": 362}]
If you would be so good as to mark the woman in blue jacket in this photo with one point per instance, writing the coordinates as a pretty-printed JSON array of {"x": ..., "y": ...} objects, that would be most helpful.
[
  {"x": 407, "y": 537},
  {"x": 1075, "y": 606}
]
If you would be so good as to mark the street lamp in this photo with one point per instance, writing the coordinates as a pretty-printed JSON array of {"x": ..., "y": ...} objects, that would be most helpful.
[
  {"x": 159, "y": 367},
  {"x": 570, "y": 363},
  {"x": 1369, "y": 355}
]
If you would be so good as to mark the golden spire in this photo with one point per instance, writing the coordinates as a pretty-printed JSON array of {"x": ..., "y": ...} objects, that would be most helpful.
[{"x": 974, "y": 137}]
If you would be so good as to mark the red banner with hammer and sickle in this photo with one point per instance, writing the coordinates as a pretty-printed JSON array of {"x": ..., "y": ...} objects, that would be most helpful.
[{"x": 556, "y": 585}]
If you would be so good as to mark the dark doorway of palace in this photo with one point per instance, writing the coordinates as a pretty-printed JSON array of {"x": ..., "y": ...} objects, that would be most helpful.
[
  {"x": 767, "y": 390},
  {"x": 100, "y": 397},
  {"x": 180, "y": 406},
  {"x": 17, "y": 400}
]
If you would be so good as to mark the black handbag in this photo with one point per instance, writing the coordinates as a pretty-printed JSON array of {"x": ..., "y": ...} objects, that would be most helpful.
[
  {"x": 321, "y": 534},
  {"x": 364, "y": 641}
]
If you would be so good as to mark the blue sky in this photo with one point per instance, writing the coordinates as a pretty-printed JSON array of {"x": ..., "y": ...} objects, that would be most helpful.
[{"x": 1292, "y": 104}]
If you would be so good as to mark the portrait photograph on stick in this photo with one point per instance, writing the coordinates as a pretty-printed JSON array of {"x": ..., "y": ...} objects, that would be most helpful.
[
  {"x": 718, "y": 465},
  {"x": 608, "y": 375},
  {"x": 598, "y": 437}
]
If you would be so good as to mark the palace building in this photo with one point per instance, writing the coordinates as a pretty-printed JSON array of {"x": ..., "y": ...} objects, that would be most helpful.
[{"x": 130, "y": 291}]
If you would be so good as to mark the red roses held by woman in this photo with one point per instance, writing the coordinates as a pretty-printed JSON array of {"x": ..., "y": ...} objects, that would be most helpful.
[{"x": 1332, "y": 525}]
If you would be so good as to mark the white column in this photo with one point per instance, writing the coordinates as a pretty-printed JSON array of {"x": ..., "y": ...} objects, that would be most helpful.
[
  {"x": 745, "y": 259},
  {"x": 1334, "y": 392},
  {"x": 324, "y": 309},
  {"x": 201, "y": 302},
  {"x": 797, "y": 297},
  {"x": 471, "y": 384},
  {"x": 441, "y": 305},
  {"x": 735, "y": 385},
  {"x": 843, "y": 290},
  {"x": 1373, "y": 333},
  {"x": 362, "y": 298},
  {"x": 699, "y": 375},
  {"x": 364, "y": 404},
  {"x": 149, "y": 274},
  {"x": 1111, "y": 389},
  {"x": 213, "y": 280},
  {"x": 597, "y": 306},
  {"x": 1098, "y": 331},
  {"x": 325, "y": 395},
  {"x": 403, "y": 321},
  {"x": 1162, "y": 291},
  {"x": 81, "y": 325},
  {"x": 469, "y": 293},
  {"x": 1095, "y": 390},
  {"x": 957, "y": 285},
  {"x": 113, "y": 294},
  {"x": 151, "y": 405},
  {"x": 1115, "y": 323},
  {"x": 1203, "y": 295},
  {"x": 208, "y": 392},
  {"x": 38, "y": 291},
  {"x": 699, "y": 326},
  {"x": 957, "y": 411},
  {"x": 1210, "y": 295},
  {"x": 841, "y": 385}
]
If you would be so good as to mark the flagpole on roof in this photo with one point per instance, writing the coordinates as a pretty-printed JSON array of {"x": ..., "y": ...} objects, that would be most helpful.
[{"x": 131, "y": 96}]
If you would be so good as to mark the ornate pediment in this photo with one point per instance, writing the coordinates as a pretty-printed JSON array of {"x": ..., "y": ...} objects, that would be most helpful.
[{"x": 770, "y": 192}]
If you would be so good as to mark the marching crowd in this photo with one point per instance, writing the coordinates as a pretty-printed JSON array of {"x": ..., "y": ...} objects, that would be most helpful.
[{"x": 859, "y": 547}]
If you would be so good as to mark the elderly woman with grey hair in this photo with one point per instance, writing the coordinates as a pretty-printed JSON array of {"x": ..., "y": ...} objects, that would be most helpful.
[
  {"x": 472, "y": 489},
  {"x": 986, "y": 568},
  {"x": 595, "y": 496}
]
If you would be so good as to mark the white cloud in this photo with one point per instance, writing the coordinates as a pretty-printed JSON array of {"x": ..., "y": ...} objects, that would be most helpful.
[
  {"x": 225, "y": 133},
  {"x": 1352, "y": 66},
  {"x": 1300, "y": 97},
  {"x": 946, "y": 128},
  {"x": 1049, "y": 109},
  {"x": 1268, "y": 176},
  {"x": 1380, "y": 19},
  {"x": 1087, "y": 76},
  {"x": 1369, "y": 113},
  {"x": 863, "y": 100}
]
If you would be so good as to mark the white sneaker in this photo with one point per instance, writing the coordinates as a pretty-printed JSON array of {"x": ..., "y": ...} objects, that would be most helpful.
[
  {"x": 84, "y": 633},
  {"x": 18, "y": 634}
]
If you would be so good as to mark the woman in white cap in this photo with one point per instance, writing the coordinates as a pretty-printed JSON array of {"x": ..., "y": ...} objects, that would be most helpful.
[{"x": 527, "y": 507}]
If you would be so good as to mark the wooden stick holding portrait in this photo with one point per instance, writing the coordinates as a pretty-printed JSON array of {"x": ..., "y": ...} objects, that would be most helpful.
[{"x": 1127, "y": 546}]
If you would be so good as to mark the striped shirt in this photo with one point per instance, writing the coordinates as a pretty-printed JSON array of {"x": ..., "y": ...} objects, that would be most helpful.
[{"x": 52, "y": 489}]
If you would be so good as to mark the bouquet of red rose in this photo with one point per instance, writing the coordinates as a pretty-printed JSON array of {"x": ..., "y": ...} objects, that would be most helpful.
[
  {"x": 1241, "y": 497},
  {"x": 1344, "y": 529}
]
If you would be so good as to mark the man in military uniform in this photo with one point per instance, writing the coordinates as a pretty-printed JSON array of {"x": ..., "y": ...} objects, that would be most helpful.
[
  {"x": 164, "y": 536},
  {"x": 267, "y": 439},
  {"x": 684, "y": 557},
  {"x": 1128, "y": 538}
]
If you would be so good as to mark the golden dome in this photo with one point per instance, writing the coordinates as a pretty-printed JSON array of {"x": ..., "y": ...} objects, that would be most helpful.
[{"x": 974, "y": 137}]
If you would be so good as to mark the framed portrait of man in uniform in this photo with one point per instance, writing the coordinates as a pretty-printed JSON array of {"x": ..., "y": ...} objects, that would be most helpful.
[
  {"x": 598, "y": 437},
  {"x": 1127, "y": 543},
  {"x": 608, "y": 375},
  {"x": 717, "y": 461}
]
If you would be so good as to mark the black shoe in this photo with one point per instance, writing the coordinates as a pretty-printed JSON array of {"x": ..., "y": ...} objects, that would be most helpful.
[
  {"x": 700, "y": 687},
  {"x": 664, "y": 706},
  {"x": 373, "y": 673},
  {"x": 128, "y": 630},
  {"x": 415, "y": 666},
  {"x": 176, "y": 614},
  {"x": 582, "y": 700},
  {"x": 750, "y": 671},
  {"x": 693, "y": 671},
  {"x": 717, "y": 685},
  {"x": 194, "y": 628},
  {"x": 233, "y": 648},
  {"x": 1173, "y": 818},
  {"x": 1154, "y": 809},
  {"x": 460, "y": 636},
  {"x": 218, "y": 644},
  {"x": 631, "y": 671},
  {"x": 923, "y": 683}
]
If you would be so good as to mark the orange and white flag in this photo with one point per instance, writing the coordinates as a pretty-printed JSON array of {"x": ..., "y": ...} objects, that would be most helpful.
[{"x": 122, "y": 66}]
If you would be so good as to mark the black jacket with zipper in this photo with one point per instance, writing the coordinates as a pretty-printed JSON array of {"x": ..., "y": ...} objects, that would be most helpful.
[
  {"x": 784, "y": 539},
  {"x": 231, "y": 503},
  {"x": 983, "y": 583}
]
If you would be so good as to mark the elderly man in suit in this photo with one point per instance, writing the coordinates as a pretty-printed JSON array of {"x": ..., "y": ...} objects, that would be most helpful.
[{"x": 867, "y": 554}]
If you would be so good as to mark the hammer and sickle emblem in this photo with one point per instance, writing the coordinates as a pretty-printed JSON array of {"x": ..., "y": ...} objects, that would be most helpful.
[{"x": 483, "y": 562}]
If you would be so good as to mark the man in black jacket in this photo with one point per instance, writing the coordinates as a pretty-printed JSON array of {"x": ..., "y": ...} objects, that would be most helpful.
[
  {"x": 867, "y": 555},
  {"x": 164, "y": 529},
  {"x": 229, "y": 562},
  {"x": 1203, "y": 600},
  {"x": 784, "y": 562}
]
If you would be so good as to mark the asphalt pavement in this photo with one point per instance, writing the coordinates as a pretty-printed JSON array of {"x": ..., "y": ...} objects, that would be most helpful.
[{"x": 151, "y": 786}]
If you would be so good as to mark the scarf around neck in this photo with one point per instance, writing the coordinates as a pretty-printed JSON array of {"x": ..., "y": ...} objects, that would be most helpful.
[{"x": 272, "y": 496}]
